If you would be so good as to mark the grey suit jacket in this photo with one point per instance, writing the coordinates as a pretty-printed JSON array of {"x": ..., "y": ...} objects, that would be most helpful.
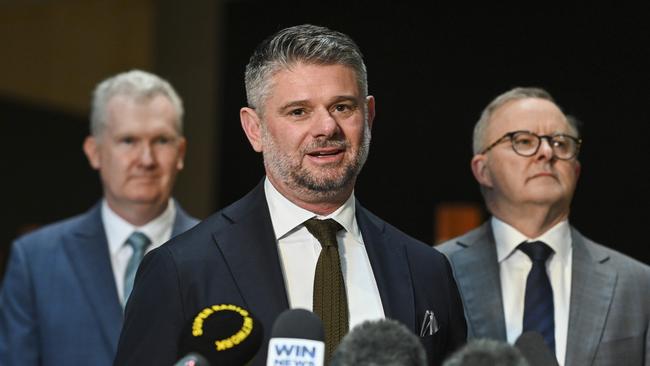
[
  {"x": 609, "y": 314},
  {"x": 58, "y": 300}
]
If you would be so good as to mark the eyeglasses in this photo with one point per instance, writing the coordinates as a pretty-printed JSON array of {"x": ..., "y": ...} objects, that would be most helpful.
[{"x": 526, "y": 143}]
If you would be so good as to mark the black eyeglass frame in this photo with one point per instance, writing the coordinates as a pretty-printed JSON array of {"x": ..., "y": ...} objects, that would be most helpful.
[{"x": 549, "y": 139}]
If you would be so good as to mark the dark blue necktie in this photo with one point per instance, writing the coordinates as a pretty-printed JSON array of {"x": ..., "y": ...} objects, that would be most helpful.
[{"x": 538, "y": 302}]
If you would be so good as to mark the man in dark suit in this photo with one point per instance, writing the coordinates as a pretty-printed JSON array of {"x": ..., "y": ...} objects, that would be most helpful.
[
  {"x": 309, "y": 114},
  {"x": 591, "y": 303},
  {"x": 61, "y": 301}
]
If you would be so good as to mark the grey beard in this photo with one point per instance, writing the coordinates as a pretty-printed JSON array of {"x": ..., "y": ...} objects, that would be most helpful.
[{"x": 301, "y": 180}]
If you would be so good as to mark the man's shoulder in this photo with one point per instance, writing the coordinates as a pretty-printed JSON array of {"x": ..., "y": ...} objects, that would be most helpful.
[
  {"x": 418, "y": 248},
  {"x": 457, "y": 244},
  {"x": 50, "y": 234},
  {"x": 199, "y": 235},
  {"x": 623, "y": 263}
]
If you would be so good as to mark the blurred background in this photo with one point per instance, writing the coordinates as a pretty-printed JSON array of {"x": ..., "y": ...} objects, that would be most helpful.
[{"x": 431, "y": 68}]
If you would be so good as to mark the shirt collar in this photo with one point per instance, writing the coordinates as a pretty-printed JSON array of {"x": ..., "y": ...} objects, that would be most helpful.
[
  {"x": 287, "y": 216},
  {"x": 508, "y": 238},
  {"x": 118, "y": 230}
]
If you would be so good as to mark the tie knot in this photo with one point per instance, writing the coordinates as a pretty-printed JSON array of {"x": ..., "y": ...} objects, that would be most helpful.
[
  {"x": 138, "y": 241},
  {"x": 538, "y": 251},
  {"x": 324, "y": 230}
]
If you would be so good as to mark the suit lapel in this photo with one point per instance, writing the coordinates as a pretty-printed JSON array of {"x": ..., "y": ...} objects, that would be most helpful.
[
  {"x": 249, "y": 248},
  {"x": 87, "y": 249},
  {"x": 390, "y": 267},
  {"x": 592, "y": 289},
  {"x": 182, "y": 222},
  {"x": 476, "y": 269}
]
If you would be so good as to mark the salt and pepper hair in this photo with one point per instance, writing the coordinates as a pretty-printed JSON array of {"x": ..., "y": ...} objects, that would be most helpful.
[
  {"x": 487, "y": 352},
  {"x": 307, "y": 44},
  {"x": 385, "y": 342},
  {"x": 136, "y": 84},
  {"x": 518, "y": 93}
]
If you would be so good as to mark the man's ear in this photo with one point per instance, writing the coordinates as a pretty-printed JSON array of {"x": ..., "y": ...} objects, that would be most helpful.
[
  {"x": 91, "y": 149},
  {"x": 182, "y": 146},
  {"x": 480, "y": 170},
  {"x": 250, "y": 122},
  {"x": 370, "y": 103}
]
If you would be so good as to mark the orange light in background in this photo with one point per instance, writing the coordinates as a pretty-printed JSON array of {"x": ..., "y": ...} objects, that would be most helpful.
[{"x": 452, "y": 219}]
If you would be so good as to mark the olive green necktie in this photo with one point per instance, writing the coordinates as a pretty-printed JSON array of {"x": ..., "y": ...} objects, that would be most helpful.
[{"x": 330, "y": 301}]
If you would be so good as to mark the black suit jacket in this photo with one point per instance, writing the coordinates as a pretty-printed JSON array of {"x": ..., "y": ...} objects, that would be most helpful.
[{"x": 232, "y": 257}]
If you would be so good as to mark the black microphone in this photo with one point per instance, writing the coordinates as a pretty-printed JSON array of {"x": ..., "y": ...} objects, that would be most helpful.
[
  {"x": 297, "y": 338},
  {"x": 532, "y": 346},
  {"x": 380, "y": 342},
  {"x": 223, "y": 334}
]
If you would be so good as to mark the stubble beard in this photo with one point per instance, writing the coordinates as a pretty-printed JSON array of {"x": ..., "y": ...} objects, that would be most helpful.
[{"x": 331, "y": 181}]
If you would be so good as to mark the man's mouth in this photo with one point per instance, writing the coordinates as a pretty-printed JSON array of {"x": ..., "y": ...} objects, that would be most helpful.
[{"x": 325, "y": 152}]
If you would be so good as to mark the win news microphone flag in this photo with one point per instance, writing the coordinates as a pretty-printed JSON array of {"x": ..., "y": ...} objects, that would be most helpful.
[
  {"x": 297, "y": 338},
  {"x": 223, "y": 334}
]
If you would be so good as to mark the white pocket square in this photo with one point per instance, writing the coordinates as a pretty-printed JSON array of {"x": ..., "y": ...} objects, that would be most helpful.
[{"x": 429, "y": 324}]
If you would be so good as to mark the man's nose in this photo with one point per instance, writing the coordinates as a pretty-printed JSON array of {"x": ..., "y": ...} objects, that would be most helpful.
[
  {"x": 545, "y": 148},
  {"x": 147, "y": 156},
  {"x": 325, "y": 124}
]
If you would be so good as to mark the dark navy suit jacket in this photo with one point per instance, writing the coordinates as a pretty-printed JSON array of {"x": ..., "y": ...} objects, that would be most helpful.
[
  {"x": 58, "y": 301},
  {"x": 232, "y": 258}
]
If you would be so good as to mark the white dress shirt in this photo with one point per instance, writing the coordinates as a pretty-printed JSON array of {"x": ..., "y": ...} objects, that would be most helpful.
[
  {"x": 158, "y": 230},
  {"x": 299, "y": 251},
  {"x": 514, "y": 266}
]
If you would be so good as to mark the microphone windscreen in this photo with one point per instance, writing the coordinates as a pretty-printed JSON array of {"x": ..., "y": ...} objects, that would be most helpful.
[
  {"x": 535, "y": 350},
  {"x": 297, "y": 338},
  {"x": 298, "y": 323},
  {"x": 484, "y": 352},
  {"x": 224, "y": 334},
  {"x": 380, "y": 342},
  {"x": 192, "y": 359}
]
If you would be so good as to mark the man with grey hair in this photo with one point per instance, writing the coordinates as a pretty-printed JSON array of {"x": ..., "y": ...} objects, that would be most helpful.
[
  {"x": 527, "y": 268},
  {"x": 62, "y": 299},
  {"x": 299, "y": 239}
]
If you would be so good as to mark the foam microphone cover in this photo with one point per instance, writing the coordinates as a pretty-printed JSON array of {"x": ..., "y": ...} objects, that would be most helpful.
[
  {"x": 380, "y": 342},
  {"x": 535, "y": 350},
  {"x": 192, "y": 359},
  {"x": 224, "y": 334}
]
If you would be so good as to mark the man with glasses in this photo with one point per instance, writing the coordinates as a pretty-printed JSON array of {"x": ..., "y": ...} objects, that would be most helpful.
[{"x": 527, "y": 268}]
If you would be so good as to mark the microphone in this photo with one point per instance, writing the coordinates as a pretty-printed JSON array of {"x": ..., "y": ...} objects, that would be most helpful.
[
  {"x": 532, "y": 346},
  {"x": 223, "y": 334},
  {"x": 297, "y": 339},
  {"x": 380, "y": 342},
  {"x": 192, "y": 359}
]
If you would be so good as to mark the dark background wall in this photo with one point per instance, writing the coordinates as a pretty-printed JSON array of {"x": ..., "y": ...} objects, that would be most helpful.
[{"x": 432, "y": 71}]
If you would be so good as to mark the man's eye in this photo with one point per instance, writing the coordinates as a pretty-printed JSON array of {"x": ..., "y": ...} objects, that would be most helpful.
[
  {"x": 163, "y": 140},
  {"x": 560, "y": 144},
  {"x": 343, "y": 107},
  {"x": 297, "y": 112},
  {"x": 128, "y": 140},
  {"x": 524, "y": 141}
]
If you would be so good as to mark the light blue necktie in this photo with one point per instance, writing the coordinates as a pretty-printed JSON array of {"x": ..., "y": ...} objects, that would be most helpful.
[
  {"x": 538, "y": 300},
  {"x": 139, "y": 242}
]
